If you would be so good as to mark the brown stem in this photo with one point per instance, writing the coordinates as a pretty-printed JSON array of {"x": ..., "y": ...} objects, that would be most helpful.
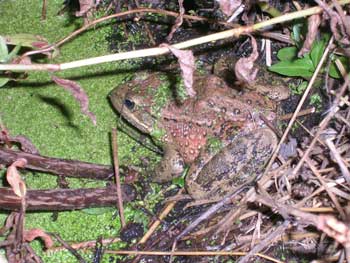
[
  {"x": 64, "y": 199},
  {"x": 43, "y": 10},
  {"x": 117, "y": 177},
  {"x": 58, "y": 166}
]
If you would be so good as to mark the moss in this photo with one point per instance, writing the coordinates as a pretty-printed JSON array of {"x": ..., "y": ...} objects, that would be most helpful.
[
  {"x": 51, "y": 118},
  {"x": 158, "y": 134},
  {"x": 161, "y": 97},
  {"x": 214, "y": 145},
  {"x": 181, "y": 92},
  {"x": 316, "y": 101}
]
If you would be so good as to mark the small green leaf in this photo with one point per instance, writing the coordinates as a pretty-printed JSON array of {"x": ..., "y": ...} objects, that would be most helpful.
[
  {"x": 317, "y": 51},
  {"x": 3, "y": 81},
  {"x": 316, "y": 100},
  {"x": 180, "y": 181},
  {"x": 287, "y": 53},
  {"x": 298, "y": 68},
  {"x": 3, "y": 50},
  {"x": 296, "y": 35},
  {"x": 299, "y": 31},
  {"x": 298, "y": 89},
  {"x": 13, "y": 53},
  {"x": 333, "y": 69}
]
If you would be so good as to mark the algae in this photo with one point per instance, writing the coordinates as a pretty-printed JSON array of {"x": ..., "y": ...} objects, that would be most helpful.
[{"x": 51, "y": 118}]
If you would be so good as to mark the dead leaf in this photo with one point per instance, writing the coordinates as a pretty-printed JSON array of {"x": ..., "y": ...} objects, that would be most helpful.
[
  {"x": 289, "y": 149},
  {"x": 30, "y": 235},
  {"x": 14, "y": 178},
  {"x": 337, "y": 24},
  {"x": 186, "y": 61},
  {"x": 85, "y": 7},
  {"x": 26, "y": 40},
  {"x": 178, "y": 21},
  {"x": 26, "y": 144},
  {"x": 22, "y": 60},
  {"x": 313, "y": 23},
  {"x": 78, "y": 93},
  {"x": 229, "y": 6},
  {"x": 244, "y": 68},
  {"x": 335, "y": 229}
]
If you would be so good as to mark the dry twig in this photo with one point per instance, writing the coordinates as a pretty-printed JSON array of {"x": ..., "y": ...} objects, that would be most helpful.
[{"x": 117, "y": 176}]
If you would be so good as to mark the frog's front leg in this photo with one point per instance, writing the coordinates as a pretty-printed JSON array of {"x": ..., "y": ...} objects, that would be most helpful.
[{"x": 171, "y": 165}]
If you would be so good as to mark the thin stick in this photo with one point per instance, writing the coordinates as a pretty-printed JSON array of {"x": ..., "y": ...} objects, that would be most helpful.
[
  {"x": 317, "y": 209},
  {"x": 43, "y": 10},
  {"x": 117, "y": 177},
  {"x": 163, "y": 214},
  {"x": 340, "y": 161},
  {"x": 328, "y": 190},
  {"x": 323, "y": 124},
  {"x": 235, "y": 32},
  {"x": 301, "y": 102},
  {"x": 300, "y": 114},
  {"x": 187, "y": 253},
  {"x": 84, "y": 244},
  {"x": 271, "y": 238},
  {"x": 120, "y": 14}
]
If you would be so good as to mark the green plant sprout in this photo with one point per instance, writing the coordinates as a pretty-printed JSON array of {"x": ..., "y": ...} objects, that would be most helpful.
[
  {"x": 298, "y": 89},
  {"x": 316, "y": 101},
  {"x": 6, "y": 57},
  {"x": 292, "y": 66}
]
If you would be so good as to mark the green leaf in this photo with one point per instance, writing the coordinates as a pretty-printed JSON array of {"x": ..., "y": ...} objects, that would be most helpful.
[
  {"x": 26, "y": 40},
  {"x": 3, "y": 81},
  {"x": 13, "y": 53},
  {"x": 296, "y": 35},
  {"x": 3, "y": 50},
  {"x": 287, "y": 53},
  {"x": 317, "y": 51},
  {"x": 333, "y": 69},
  {"x": 180, "y": 181},
  {"x": 299, "y": 32},
  {"x": 297, "y": 68}
]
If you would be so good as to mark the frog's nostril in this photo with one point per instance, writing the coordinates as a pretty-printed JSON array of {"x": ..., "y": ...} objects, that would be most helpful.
[{"x": 129, "y": 104}]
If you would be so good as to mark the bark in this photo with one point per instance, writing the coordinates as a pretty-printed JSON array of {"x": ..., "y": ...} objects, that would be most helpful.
[
  {"x": 57, "y": 166},
  {"x": 65, "y": 199}
]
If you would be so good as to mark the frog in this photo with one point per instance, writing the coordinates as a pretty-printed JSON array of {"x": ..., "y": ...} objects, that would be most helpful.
[{"x": 184, "y": 129}]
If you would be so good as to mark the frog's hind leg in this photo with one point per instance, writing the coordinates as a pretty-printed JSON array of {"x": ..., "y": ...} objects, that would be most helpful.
[{"x": 171, "y": 166}]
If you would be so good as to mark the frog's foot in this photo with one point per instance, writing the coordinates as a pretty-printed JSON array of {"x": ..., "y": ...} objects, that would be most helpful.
[{"x": 171, "y": 166}]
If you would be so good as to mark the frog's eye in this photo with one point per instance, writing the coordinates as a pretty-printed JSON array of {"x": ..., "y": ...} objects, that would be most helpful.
[{"x": 129, "y": 104}]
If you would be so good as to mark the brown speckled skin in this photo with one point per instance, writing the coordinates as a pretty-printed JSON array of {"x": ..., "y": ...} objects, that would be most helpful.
[
  {"x": 217, "y": 112},
  {"x": 234, "y": 165}
]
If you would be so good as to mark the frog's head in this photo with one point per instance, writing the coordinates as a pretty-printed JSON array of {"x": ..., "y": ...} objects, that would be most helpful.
[{"x": 134, "y": 105}]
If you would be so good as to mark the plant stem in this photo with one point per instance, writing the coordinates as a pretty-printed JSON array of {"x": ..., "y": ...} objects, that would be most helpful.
[{"x": 235, "y": 32}]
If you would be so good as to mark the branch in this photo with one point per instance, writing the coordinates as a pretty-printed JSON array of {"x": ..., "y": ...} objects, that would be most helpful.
[
  {"x": 65, "y": 199},
  {"x": 57, "y": 166},
  {"x": 235, "y": 32}
]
